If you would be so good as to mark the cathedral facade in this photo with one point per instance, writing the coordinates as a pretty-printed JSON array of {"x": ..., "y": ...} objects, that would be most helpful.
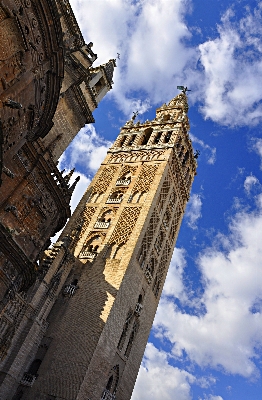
[
  {"x": 48, "y": 91},
  {"x": 99, "y": 286}
]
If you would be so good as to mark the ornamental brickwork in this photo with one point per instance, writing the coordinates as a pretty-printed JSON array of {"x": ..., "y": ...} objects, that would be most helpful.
[{"x": 102, "y": 281}]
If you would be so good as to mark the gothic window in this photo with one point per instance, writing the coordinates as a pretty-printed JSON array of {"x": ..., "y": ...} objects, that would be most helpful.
[
  {"x": 132, "y": 338},
  {"x": 125, "y": 329},
  {"x": 146, "y": 136},
  {"x": 112, "y": 383}
]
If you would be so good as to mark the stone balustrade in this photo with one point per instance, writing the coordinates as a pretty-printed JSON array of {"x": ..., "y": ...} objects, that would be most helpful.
[{"x": 101, "y": 225}]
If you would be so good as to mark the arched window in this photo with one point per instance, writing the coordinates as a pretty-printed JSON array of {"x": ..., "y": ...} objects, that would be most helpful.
[
  {"x": 146, "y": 136},
  {"x": 125, "y": 329},
  {"x": 167, "y": 137},
  {"x": 132, "y": 338},
  {"x": 131, "y": 141},
  {"x": 157, "y": 137},
  {"x": 110, "y": 383},
  {"x": 122, "y": 140},
  {"x": 115, "y": 197}
]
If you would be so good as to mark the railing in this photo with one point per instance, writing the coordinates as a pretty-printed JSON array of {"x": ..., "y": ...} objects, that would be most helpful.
[
  {"x": 69, "y": 290},
  {"x": 101, "y": 225},
  {"x": 123, "y": 182},
  {"x": 148, "y": 276},
  {"x": 28, "y": 379},
  {"x": 107, "y": 395},
  {"x": 116, "y": 201},
  {"x": 88, "y": 254},
  {"x": 138, "y": 309}
]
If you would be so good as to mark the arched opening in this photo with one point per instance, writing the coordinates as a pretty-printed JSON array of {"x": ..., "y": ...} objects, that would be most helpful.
[
  {"x": 131, "y": 141},
  {"x": 166, "y": 117},
  {"x": 146, "y": 136},
  {"x": 122, "y": 141},
  {"x": 132, "y": 338},
  {"x": 157, "y": 137},
  {"x": 167, "y": 137}
]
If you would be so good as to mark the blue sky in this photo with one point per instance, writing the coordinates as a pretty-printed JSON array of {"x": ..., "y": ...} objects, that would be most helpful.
[{"x": 207, "y": 336}]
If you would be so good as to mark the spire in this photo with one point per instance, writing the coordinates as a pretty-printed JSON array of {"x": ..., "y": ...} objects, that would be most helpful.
[
  {"x": 68, "y": 176},
  {"x": 179, "y": 101},
  {"x": 72, "y": 188}
]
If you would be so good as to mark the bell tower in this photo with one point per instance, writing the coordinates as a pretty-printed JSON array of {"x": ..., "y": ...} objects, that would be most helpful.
[{"x": 121, "y": 238}]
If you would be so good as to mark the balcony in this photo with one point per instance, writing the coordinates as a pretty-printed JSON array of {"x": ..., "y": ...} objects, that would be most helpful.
[
  {"x": 123, "y": 182},
  {"x": 88, "y": 254},
  {"x": 28, "y": 379},
  {"x": 138, "y": 309},
  {"x": 101, "y": 225},
  {"x": 69, "y": 290},
  {"x": 107, "y": 395},
  {"x": 114, "y": 201}
]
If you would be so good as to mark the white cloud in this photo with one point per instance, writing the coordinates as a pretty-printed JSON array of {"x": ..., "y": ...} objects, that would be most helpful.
[
  {"x": 250, "y": 182},
  {"x": 88, "y": 149},
  {"x": 227, "y": 334},
  {"x": 232, "y": 69},
  {"x": 174, "y": 282},
  {"x": 209, "y": 151},
  {"x": 258, "y": 149},
  {"x": 149, "y": 36},
  {"x": 193, "y": 210},
  {"x": 157, "y": 379}
]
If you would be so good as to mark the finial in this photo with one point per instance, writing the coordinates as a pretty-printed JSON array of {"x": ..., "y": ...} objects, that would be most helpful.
[
  {"x": 118, "y": 56},
  {"x": 72, "y": 188},
  {"x": 68, "y": 176},
  {"x": 184, "y": 89}
]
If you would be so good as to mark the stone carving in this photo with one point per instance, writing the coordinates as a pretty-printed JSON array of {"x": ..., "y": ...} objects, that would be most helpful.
[
  {"x": 137, "y": 156},
  {"x": 125, "y": 225},
  {"x": 104, "y": 179},
  {"x": 145, "y": 178}
]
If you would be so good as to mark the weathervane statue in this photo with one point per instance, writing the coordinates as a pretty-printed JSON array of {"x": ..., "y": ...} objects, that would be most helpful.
[{"x": 183, "y": 88}]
